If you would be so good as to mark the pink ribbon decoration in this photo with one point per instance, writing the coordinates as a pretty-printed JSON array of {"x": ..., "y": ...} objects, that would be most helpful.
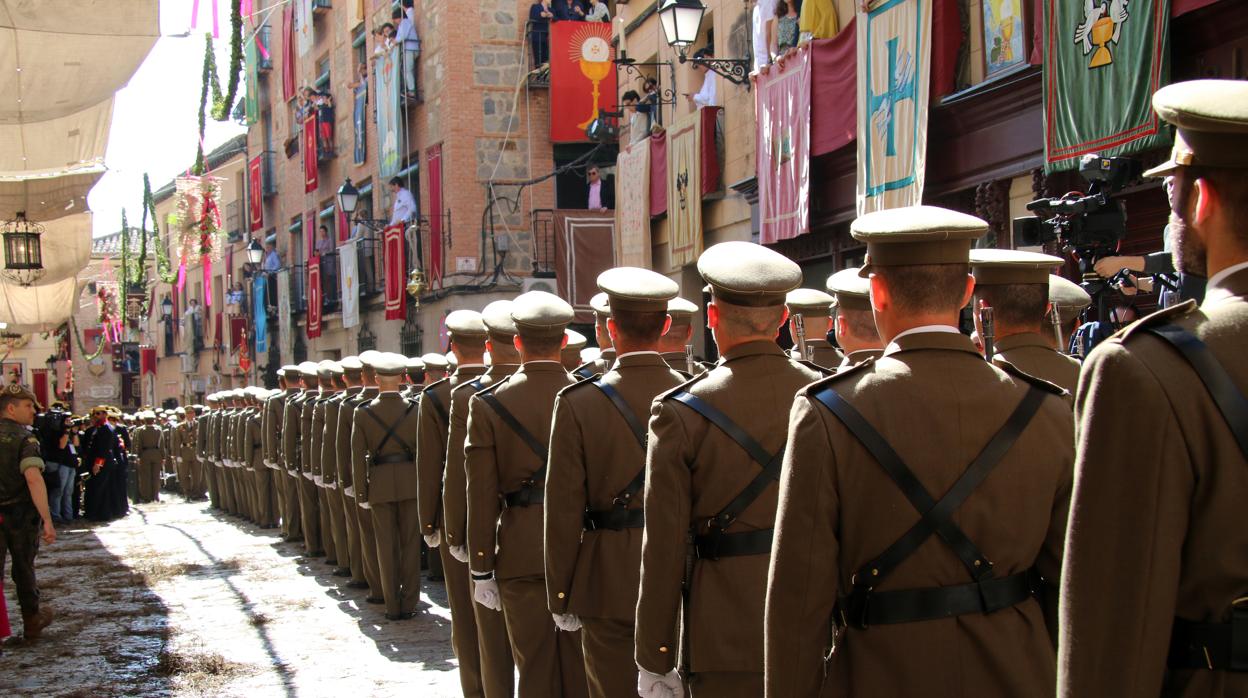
[
  {"x": 244, "y": 8},
  {"x": 207, "y": 280},
  {"x": 216, "y": 24},
  {"x": 181, "y": 276}
]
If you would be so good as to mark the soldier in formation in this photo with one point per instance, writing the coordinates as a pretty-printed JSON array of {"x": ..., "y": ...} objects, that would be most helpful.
[{"x": 646, "y": 524}]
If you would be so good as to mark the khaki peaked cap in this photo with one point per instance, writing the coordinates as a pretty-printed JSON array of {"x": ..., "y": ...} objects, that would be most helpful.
[
  {"x": 497, "y": 318},
  {"x": 1211, "y": 124},
  {"x": 465, "y": 323},
  {"x": 637, "y": 289},
  {"x": 540, "y": 314},
  {"x": 1066, "y": 295},
  {"x": 914, "y": 235},
  {"x": 992, "y": 267},
  {"x": 743, "y": 273},
  {"x": 852, "y": 291}
]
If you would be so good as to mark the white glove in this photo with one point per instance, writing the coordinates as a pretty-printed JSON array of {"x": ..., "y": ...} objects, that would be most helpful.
[
  {"x": 459, "y": 552},
  {"x": 434, "y": 539},
  {"x": 269, "y": 464},
  {"x": 567, "y": 622},
  {"x": 659, "y": 685},
  {"x": 485, "y": 592}
]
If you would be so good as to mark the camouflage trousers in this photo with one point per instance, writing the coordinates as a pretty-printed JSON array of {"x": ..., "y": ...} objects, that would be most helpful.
[{"x": 19, "y": 543}]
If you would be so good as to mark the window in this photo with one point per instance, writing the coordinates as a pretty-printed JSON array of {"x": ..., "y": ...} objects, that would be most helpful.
[
  {"x": 296, "y": 240},
  {"x": 322, "y": 75},
  {"x": 359, "y": 47}
]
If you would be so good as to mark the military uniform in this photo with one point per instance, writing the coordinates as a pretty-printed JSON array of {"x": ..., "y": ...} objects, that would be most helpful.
[
  {"x": 1068, "y": 300},
  {"x": 505, "y": 459},
  {"x": 435, "y": 402},
  {"x": 1154, "y": 586},
  {"x": 1011, "y": 271},
  {"x": 147, "y": 443},
  {"x": 947, "y": 609},
  {"x": 351, "y": 398},
  {"x": 270, "y": 435},
  {"x": 369, "y": 565},
  {"x": 815, "y": 307},
  {"x": 195, "y": 487},
  {"x": 19, "y": 519},
  {"x": 682, "y": 313},
  {"x": 326, "y": 371},
  {"x": 594, "y": 515},
  {"x": 383, "y": 444},
  {"x": 309, "y": 493},
  {"x": 266, "y": 509},
  {"x": 335, "y": 510},
  {"x": 293, "y": 446}
]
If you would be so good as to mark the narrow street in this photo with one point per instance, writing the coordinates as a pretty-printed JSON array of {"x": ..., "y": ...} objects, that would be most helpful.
[{"x": 176, "y": 599}]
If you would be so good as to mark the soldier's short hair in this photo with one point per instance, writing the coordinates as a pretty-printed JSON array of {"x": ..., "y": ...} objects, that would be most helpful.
[
  {"x": 743, "y": 320},
  {"x": 925, "y": 288},
  {"x": 1017, "y": 305},
  {"x": 474, "y": 342},
  {"x": 6, "y": 400},
  {"x": 639, "y": 325},
  {"x": 1230, "y": 184},
  {"x": 861, "y": 323},
  {"x": 542, "y": 344}
]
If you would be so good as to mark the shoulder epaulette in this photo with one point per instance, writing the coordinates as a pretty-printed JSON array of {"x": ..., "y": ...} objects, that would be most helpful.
[
  {"x": 577, "y": 384},
  {"x": 683, "y": 387},
  {"x": 1162, "y": 316},
  {"x": 436, "y": 383},
  {"x": 490, "y": 390},
  {"x": 1027, "y": 377},
  {"x": 834, "y": 376}
]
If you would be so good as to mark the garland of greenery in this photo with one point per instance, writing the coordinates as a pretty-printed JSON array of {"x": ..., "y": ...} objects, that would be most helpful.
[
  {"x": 221, "y": 104},
  {"x": 82, "y": 349},
  {"x": 164, "y": 268}
]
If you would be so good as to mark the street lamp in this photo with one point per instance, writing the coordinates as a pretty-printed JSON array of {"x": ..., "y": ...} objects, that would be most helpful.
[
  {"x": 348, "y": 198},
  {"x": 255, "y": 253},
  {"x": 23, "y": 256},
  {"x": 166, "y": 308},
  {"x": 682, "y": 23}
]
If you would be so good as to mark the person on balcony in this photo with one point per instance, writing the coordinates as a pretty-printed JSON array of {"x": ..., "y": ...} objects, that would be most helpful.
[
  {"x": 324, "y": 105},
  {"x": 272, "y": 260},
  {"x": 404, "y": 204},
  {"x": 569, "y": 10},
  {"x": 406, "y": 36},
  {"x": 540, "y": 16},
  {"x": 601, "y": 192},
  {"x": 597, "y": 12},
  {"x": 706, "y": 96}
]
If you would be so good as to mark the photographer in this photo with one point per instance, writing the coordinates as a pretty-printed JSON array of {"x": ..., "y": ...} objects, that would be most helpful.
[
  {"x": 53, "y": 429},
  {"x": 1153, "y": 265}
]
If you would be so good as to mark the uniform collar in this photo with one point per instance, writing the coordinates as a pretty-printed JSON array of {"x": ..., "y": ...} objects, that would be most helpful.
[
  {"x": 469, "y": 371},
  {"x": 500, "y": 370},
  {"x": 639, "y": 358},
  {"x": 933, "y": 339},
  {"x": 1231, "y": 281},
  {"x": 607, "y": 355},
  {"x": 1022, "y": 339},
  {"x": 761, "y": 347},
  {"x": 536, "y": 367}
]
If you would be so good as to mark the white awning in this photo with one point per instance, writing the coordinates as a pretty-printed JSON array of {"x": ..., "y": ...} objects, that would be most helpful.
[
  {"x": 60, "y": 63},
  {"x": 47, "y": 198},
  {"x": 39, "y": 306},
  {"x": 66, "y": 248}
]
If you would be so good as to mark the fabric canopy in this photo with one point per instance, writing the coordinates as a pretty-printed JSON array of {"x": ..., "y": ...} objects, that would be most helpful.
[
  {"x": 42, "y": 307},
  {"x": 66, "y": 247},
  {"x": 47, "y": 198},
  {"x": 60, "y": 63}
]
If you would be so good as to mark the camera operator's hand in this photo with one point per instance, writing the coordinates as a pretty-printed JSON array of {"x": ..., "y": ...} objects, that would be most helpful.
[{"x": 1106, "y": 267}]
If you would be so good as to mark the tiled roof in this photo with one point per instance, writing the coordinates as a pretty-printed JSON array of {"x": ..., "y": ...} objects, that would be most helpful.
[{"x": 110, "y": 245}]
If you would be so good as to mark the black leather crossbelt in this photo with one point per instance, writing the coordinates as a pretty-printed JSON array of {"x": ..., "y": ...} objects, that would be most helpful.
[
  {"x": 524, "y": 497},
  {"x": 1219, "y": 646},
  {"x": 615, "y": 519},
  {"x": 393, "y": 458},
  {"x": 717, "y": 544},
  {"x": 864, "y": 607}
]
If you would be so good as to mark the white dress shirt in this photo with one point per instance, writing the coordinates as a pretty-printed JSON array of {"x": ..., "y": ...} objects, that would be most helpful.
[
  {"x": 706, "y": 96},
  {"x": 404, "y": 207}
]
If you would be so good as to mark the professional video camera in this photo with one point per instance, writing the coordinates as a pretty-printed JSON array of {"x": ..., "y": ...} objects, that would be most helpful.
[{"x": 1091, "y": 224}]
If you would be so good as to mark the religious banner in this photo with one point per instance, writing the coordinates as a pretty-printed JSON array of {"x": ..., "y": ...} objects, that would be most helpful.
[
  {"x": 434, "y": 160},
  {"x": 304, "y": 31},
  {"x": 260, "y": 311},
  {"x": 684, "y": 190},
  {"x": 632, "y": 206},
  {"x": 894, "y": 51},
  {"x": 289, "y": 79},
  {"x": 782, "y": 102},
  {"x": 1102, "y": 64},
  {"x": 582, "y": 78},
  {"x": 583, "y": 250},
  {"x": 311, "y": 173},
  {"x": 833, "y": 74},
  {"x": 284, "y": 316},
  {"x": 255, "y": 195},
  {"x": 358, "y": 114},
  {"x": 658, "y": 174},
  {"x": 350, "y": 284},
  {"x": 390, "y": 134},
  {"x": 392, "y": 253},
  {"x": 251, "y": 60},
  {"x": 314, "y": 296}
]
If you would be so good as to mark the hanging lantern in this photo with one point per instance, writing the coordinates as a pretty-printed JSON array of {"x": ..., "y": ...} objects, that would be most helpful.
[{"x": 23, "y": 255}]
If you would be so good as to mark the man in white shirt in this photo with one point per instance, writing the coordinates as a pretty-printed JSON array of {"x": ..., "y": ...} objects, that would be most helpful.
[
  {"x": 762, "y": 19},
  {"x": 404, "y": 204},
  {"x": 406, "y": 37},
  {"x": 272, "y": 262},
  {"x": 706, "y": 96}
]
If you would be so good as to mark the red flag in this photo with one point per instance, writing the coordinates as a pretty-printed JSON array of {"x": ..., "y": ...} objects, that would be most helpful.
[
  {"x": 434, "y": 158},
  {"x": 310, "y": 170},
  {"x": 833, "y": 83},
  {"x": 392, "y": 252},
  {"x": 147, "y": 360},
  {"x": 782, "y": 102},
  {"x": 255, "y": 195},
  {"x": 238, "y": 326},
  {"x": 582, "y": 77},
  {"x": 658, "y": 173},
  {"x": 344, "y": 226},
  {"x": 314, "y": 296}
]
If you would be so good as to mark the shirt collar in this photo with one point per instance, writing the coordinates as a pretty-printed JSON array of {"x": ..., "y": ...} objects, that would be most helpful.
[
  {"x": 1022, "y": 339},
  {"x": 755, "y": 348},
  {"x": 1221, "y": 277},
  {"x": 930, "y": 337}
]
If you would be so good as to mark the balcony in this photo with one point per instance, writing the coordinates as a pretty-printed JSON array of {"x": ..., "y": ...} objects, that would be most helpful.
[
  {"x": 264, "y": 38},
  {"x": 331, "y": 280},
  {"x": 543, "y": 228},
  {"x": 268, "y": 173},
  {"x": 298, "y": 288},
  {"x": 370, "y": 265},
  {"x": 234, "y": 221}
]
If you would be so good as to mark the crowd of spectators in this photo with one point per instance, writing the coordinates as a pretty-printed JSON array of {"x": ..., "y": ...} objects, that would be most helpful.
[{"x": 542, "y": 13}]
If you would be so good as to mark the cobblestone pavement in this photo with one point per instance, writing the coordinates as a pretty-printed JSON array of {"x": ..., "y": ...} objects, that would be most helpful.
[{"x": 177, "y": 599}]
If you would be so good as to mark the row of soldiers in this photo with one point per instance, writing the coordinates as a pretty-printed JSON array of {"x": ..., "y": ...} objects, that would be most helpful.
[{"x": 899, "y": 524}]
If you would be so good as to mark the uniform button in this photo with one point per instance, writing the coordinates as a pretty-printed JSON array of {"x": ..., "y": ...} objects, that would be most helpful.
[
  {"x": 663, "y": 648},
  {"x": 560, "y": 594}
]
